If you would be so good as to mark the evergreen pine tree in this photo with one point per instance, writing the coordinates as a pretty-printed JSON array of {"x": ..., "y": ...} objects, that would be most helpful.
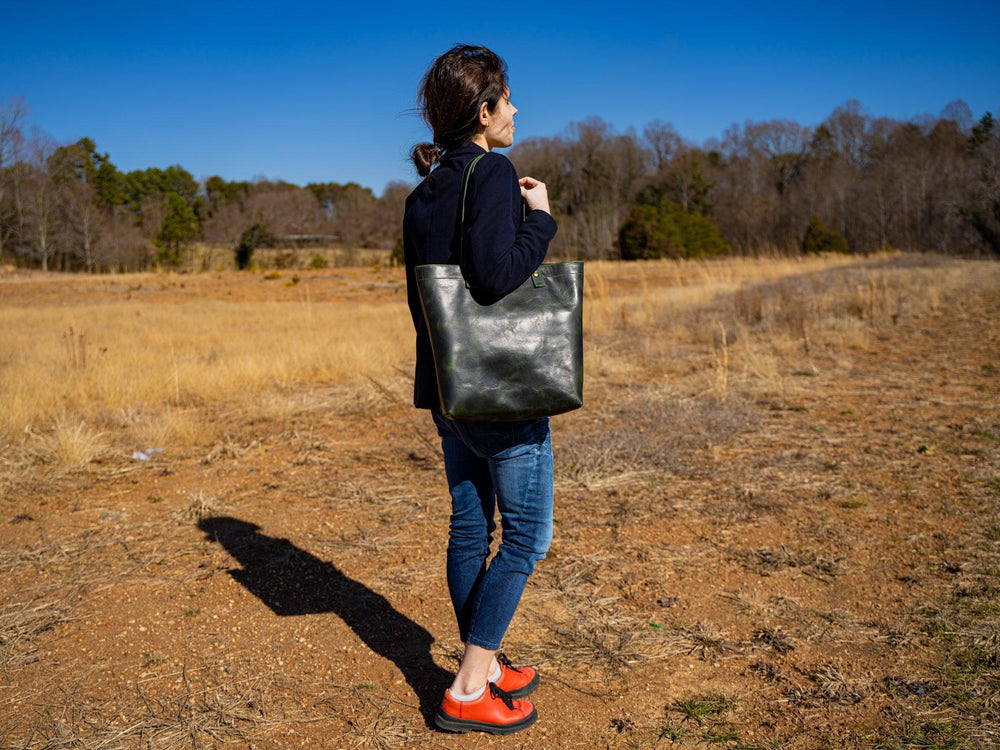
[{"x": 179, "y": 228}]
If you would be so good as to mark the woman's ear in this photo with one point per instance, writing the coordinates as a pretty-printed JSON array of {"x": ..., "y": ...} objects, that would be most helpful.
[{"x": 484, "y": 114}]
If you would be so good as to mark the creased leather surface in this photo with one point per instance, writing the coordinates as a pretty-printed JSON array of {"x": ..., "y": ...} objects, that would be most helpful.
[{"x": 518, "y": 358}]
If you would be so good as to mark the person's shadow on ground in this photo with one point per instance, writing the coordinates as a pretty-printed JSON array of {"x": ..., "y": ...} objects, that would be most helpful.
[{"x": 292, "y": 581}]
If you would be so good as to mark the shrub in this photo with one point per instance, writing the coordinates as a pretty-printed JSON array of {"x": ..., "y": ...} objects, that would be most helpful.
[
  {"x": 819, "y": 239},
  {"x": 256, "y": 235},
  {"x": 665, "y": 230}
]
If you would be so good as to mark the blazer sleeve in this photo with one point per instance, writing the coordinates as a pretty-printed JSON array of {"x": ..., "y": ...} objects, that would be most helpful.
[{"x": 500, "y": 252}]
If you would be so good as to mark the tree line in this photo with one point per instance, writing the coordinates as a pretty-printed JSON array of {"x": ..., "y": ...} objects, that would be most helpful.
[
  {"x": 854, "y": 183},
  {"x": 69, "y": 208}
]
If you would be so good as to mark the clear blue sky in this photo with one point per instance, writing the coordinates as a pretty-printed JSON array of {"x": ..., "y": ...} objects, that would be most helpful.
[{"x": 319, "y": 92}]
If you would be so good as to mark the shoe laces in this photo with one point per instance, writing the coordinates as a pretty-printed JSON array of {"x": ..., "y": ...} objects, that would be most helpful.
[
  {"x": 505, "y": 662},
  {"x": 496, "y": 692}
]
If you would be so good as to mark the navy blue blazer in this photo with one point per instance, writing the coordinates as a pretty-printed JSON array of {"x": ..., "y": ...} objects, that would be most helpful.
[{"x": 501, "y": 252}]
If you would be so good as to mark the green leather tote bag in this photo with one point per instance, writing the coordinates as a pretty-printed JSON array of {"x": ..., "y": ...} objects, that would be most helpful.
[{"x": 518, "y": 358}]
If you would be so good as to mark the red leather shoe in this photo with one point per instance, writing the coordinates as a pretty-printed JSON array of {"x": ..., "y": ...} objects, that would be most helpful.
[
  {"x": 494, "y": 712},
  {"x": 516, "y": 682}
]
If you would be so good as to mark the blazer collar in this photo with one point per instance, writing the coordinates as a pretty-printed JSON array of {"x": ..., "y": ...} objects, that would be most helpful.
[{"x": 466, "y": 149}]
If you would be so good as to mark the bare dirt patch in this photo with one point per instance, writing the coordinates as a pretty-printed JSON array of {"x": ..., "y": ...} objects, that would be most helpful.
[{"x": 778, "y": 526}]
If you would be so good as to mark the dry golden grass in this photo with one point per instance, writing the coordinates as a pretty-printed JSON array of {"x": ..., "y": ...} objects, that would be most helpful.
[
  {"x": 78, "y": 380},
  {"x": 183, "y": 355},
  {"x": 104, "y": 373},
  {"x": 764, "y": 319}
]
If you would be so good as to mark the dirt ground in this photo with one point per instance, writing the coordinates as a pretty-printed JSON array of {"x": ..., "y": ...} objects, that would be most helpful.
[{"x": 816, "y": 568}]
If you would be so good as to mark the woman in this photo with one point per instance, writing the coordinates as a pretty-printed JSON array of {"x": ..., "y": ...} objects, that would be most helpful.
[{"x": 505, "y": 466}]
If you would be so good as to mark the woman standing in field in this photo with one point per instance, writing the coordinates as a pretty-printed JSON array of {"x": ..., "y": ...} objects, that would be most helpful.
[{"x": 465, "y": 99}]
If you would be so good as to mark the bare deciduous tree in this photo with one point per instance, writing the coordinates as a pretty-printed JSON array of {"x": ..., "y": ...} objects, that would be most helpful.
[
  {"x": 12, "y": 119},
  {"x": 663, "y": 141},
  {"x": 41, "y": 209}
]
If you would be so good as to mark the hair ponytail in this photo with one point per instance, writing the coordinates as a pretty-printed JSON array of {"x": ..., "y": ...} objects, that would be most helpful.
[{"x": 425, "y": 156}]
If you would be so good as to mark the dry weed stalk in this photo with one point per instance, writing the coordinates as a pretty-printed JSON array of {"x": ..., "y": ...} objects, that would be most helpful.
[
  {"x": 198, "y": 508},
  {"x": 706, "y": 641},
  {"x": 749, "y": 304},
  {"x": 722, "y": 364},
  {"x": 76, "y": 349},
  {"x": 766, "y": 561},
  {"x": 834, "y": 686},
  {"x": 229, "y": 448},
  {"x": 20, "y": 624},
  {"x": 600, "y": 642},
  {"x": 374, "y": 725},
  {"x": 647, "y": 302},
  {"x": 774, "y": 638},
  {"x": 198, "y": 716}
]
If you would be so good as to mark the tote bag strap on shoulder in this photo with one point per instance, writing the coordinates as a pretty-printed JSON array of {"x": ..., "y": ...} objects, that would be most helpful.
[{"x": 466, "y": 178}]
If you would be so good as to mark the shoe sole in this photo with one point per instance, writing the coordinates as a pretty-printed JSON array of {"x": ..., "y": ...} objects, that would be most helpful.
[
  {"x": 526, "y": 690},
  {"x": 451, "y": 724}
]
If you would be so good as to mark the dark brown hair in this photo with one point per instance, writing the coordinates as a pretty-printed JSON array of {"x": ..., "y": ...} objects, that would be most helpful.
[{"x": 451, "y": 93}]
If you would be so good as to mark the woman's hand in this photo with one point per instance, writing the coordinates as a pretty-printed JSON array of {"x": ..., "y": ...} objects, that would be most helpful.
[{"x": 535, "y": 194}]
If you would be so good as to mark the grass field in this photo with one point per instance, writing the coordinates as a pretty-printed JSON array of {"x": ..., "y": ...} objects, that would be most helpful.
[{"x": 777, "y": 514}]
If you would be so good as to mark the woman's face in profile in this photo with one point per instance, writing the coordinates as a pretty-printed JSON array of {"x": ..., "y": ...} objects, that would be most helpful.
[{"x": 500, "y": 128}]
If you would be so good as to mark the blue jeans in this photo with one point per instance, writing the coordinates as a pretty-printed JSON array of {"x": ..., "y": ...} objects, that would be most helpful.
[{"x": 491, "y": 466}]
